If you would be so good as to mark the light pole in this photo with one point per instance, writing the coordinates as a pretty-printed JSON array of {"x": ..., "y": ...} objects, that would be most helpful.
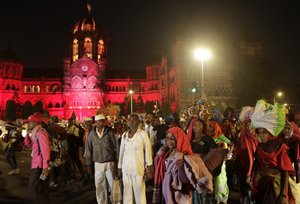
[
  {"x": 202, "y": 54},
  {"x": 279, "y": 94},
  {"x": 131, "y": 108}
]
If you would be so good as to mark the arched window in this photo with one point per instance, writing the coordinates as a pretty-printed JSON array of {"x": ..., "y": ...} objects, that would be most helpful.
[
  {"x": 7, "y": 87},
  {"x": 29, "y": 89},
  {"x": 57, "y": 105},
  {"x": 75, "y": 50},
  {"x": 100, "y": 49},
  {"x": 13, "y": 87},
  {"x": 50, "y": 105},
  {"x": 37, "y": 89},
  {"x": 25, "y": 89},
  {"x": 33, "y": 89},
  {"x": 88, "y": 47}
]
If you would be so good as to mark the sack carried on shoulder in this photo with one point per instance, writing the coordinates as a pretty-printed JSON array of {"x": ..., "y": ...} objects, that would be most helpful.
[
  {"x": 116, "y": 191},
  {"x": 214, "y": 158}
]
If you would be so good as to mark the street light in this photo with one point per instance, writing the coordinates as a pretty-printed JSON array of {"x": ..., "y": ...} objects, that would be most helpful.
[
  {"x": 202, "y": 54},
  {"x": 131, "y": 108},
  {"x": 279, "y": 94}
]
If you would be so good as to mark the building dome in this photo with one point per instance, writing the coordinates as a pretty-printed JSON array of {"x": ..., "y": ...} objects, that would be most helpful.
[
  {"x": 86, "y": 24},
  {"x": 9, "y": 55}
]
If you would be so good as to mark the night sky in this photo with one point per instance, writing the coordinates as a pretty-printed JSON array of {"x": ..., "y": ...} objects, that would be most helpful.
[{"x": 38, "y": 31}]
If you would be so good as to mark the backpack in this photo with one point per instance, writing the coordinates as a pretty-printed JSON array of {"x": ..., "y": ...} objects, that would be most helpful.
[{"x": 56, "y": 153}]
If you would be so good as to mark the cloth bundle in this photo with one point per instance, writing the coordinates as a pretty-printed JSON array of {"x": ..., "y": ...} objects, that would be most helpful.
[{"x": 268, "y": 116}]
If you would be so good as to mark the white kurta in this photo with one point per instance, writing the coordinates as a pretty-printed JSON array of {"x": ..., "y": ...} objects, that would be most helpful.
[{"x": 135, "y": 155}]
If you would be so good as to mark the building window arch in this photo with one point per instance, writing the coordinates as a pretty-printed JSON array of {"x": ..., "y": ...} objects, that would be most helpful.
[
  {"x": 50, "y": 105},
  {"x": 57, "y": 105},
  {"x": 25, "y": 89},
  {"x": 38, "y": 89},
  {"x": 7, "y": 87},
  {"x": 75, "y": 50},
  {"x": 88, "y": 47}
]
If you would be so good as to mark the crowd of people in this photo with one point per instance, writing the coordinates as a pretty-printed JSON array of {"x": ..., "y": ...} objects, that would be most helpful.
[{"x": 192, "y": 159}]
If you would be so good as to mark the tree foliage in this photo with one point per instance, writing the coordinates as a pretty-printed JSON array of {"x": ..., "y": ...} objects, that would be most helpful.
[
  {"x": 27, "y": 109},
  {"x": 38, "y": 107},
  {"x": 11, "y": 110}
]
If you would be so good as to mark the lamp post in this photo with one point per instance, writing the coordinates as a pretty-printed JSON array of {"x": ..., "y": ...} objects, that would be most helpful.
[
  {"x": 131, "y": 108},
  {"x": 202, "y": 54},
  {"x": 279, "y": 95}
]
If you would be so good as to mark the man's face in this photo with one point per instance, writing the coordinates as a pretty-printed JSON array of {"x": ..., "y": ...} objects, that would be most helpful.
[
  {"x": 32, "y": 125},
  {"x": 100, "y": 124},
  {"x": 155, "y": 122},
  {"x": 149, "y": 118},
  {"x": 88, "y": 124},
  {"x": 133, "y": 122}
]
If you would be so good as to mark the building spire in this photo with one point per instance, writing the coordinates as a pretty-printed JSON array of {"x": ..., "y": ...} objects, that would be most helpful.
[{"x": 89, "y": 7}]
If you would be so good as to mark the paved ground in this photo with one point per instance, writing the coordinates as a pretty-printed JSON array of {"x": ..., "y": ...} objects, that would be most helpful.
[{"x": 13, "y": 189}]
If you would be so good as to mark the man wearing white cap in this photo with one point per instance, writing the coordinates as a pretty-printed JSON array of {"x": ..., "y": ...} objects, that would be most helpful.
[{"x": 102, "y": 148}]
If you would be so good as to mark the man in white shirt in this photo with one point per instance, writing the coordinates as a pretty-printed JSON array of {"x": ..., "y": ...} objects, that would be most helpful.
[{"x": 135, "y": 162}]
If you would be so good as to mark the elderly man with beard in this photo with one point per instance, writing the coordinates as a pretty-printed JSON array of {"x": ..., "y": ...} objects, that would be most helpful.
[
  {"x": 102, "y": 148},
  {"x": 135, "y": 156},
  {"x": 39, "y": 141}
]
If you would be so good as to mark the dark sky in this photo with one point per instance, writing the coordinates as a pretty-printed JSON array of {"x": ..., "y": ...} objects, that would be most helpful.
[{"x": 38, "y": 31}]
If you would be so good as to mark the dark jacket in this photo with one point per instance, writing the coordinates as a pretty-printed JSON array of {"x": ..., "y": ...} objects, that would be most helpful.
[{"x": 101, "y": 150}]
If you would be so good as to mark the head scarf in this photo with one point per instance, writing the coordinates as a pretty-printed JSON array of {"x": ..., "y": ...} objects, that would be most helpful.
[
  {"x": 295, "y": 128},
  {"x": 191, "y": 128},
  {"x": 244, "y": 150},
  {"x": 217, "y": 130},
  {"x": 183, "y": 144}
]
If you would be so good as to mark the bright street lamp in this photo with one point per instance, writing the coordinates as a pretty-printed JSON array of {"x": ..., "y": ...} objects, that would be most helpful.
[
  {"x": 131, "y": 108},
  {"x": 279, "y": 94},
  {"x": 202, "y": 54}
]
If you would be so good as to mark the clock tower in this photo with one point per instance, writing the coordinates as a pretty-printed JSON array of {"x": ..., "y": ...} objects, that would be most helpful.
[{"x": 84, "y": 69}]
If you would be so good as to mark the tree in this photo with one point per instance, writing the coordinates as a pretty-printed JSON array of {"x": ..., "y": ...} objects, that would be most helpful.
[
  {"x": 254, "y": 79},
  {"x": 11, "y": 110},
  {"x": 166, "y": 109},
  {"x": 149, "y": 106},
  {"x": 27, "y": 109},
  {"x": 38, "y": 107}
]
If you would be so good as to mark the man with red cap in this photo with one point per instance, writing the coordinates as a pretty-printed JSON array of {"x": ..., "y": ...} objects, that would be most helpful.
[{"x": 38, "y": 139}]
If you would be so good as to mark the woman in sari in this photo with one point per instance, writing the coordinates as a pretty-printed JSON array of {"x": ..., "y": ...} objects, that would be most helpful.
[
  {"x": 178, "y": 172},
  {"x": 244, "y": 158},
  {"x": 221, "y": 189},
  {"x": 273, "y": 166},
  {"x": 201, "y": 144}
]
